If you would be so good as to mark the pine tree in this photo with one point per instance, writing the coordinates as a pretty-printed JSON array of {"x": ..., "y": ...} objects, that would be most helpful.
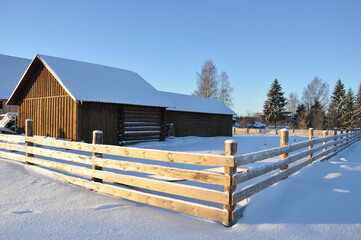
[
  {"x": 274, "y": 106},
  {"x": 358, "y": 108},
  {"x": 347, "y": 119},
  {"x": 335, "y": 109}
]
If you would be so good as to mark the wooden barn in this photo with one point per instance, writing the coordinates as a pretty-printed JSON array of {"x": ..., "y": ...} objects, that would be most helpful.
[
  {"x": 198, "y": 116},
  {"x": 11, "y": 70},
  {"x": 69, "y": 99}
]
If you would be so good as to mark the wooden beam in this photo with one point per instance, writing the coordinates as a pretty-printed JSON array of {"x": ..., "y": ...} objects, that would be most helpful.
[
  {"x": 150, "y": 184},
  {"x": 168, "y": 156},
  {"x": 151, "y": 199}
]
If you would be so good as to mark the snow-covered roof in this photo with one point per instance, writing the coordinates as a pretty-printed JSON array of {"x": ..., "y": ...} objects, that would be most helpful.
[
  {"x": 92, "y": 82},
  {"x": 188, "y": 103},
  {"x": 11, "y": 70}
]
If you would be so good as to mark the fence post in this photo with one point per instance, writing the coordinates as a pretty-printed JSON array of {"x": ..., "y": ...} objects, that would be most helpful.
[
  {"x": 230, "y": 149},
  {"x": 29, "y": 132},
  {"x": 247, "y": 130},
  {"x": 335, "y": 139},
  {"x": 97, "y": 139},
  {"x": 347, "y": 136},
  {"x": 310, "y": 137},
  {"x": 342, "y": 136},
  {"x": 284, "y": 142},
  {"x": 325, "y": 134}
]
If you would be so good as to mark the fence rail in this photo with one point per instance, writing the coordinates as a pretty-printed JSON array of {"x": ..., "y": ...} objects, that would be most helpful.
[{"x": 180, "y": 188}]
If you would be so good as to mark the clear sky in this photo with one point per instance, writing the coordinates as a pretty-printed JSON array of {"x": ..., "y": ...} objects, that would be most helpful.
[{"x": 167, "y": 42}]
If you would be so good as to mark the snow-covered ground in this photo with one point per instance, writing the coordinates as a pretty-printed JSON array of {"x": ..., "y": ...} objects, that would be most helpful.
[{"x": 320, "y": 202}]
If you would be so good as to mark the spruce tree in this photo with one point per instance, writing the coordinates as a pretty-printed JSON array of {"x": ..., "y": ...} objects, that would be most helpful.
[
  {"x": 358, "y": 108},
  {"x": 335, "y": 109},
  {"x": 301, "y": 117},
  {"x": 347, "y": 119},
  {"x": 317, "y": 117},
  {"x": 275, "y": 105}
]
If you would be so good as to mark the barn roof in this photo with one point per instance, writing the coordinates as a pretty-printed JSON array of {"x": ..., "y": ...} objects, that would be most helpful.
[
  {"x": 188, "y": 103},
  {"x": 92, "y": 82},
  {"x": 11, "y": 70}
]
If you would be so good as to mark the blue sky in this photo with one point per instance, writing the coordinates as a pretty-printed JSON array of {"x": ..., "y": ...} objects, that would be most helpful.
[{"x": 167, "y": 42}]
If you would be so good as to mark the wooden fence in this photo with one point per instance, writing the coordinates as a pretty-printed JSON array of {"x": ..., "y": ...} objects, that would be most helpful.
[
  {"x": 203, "y": 193},
  {"x": 298, "y": 132}
]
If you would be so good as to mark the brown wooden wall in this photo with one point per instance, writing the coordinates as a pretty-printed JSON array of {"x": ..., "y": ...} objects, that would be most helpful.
[
  {"x": 199, "y": 124},
  {"x": 53, "y": 111},
  {"x": 98, "y": 116},
  {"x": 142, "y": 123},
  {"x": 120, "y": 122}
]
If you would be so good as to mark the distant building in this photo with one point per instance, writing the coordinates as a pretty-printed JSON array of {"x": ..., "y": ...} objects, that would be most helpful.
[
  {"x": 11, "y": 70},
  {"x": 198, "y": 116}
]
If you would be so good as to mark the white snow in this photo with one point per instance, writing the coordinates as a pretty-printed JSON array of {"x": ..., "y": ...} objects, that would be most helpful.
[
  {"x": 11, "y": 70},
  {"x": 322, "y": 201},
  {"x": 188, "y": 103}
]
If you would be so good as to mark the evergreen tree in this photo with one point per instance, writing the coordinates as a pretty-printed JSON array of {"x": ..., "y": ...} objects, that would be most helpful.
[
  {"x": 335, "y": 109},
  {"x": 275, "y": 105},
  {"x": 347, "y": 119},
  {"x": 317, "y": 116},
  {"x": 301, "y": 117},
  {"x": 358, "y": 108}
]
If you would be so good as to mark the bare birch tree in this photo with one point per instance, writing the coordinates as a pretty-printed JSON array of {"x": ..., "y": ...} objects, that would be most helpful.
[
  {"x": 225, "y": 91},
  {"x": 207, "y": 81}
]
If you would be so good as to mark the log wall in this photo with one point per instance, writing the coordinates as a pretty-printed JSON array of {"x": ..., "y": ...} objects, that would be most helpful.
[{"x": 199, "y": 124}]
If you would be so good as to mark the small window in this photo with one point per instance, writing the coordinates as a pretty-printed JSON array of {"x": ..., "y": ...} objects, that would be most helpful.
[{"x": 1, "y": 104}]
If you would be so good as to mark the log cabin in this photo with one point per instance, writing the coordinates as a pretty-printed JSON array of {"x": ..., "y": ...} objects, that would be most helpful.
[
  {"x": 69, "y": 99},
  {"x": 198, "y": 116}
]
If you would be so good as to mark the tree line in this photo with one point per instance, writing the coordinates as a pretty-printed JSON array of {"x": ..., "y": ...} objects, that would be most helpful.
[{"x": 316, "y": 109}]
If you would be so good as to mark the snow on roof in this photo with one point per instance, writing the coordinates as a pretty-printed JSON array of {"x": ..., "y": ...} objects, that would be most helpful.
[
  {"x": 11, "y": 71},
  {"x": 98, "y": 83},
  {"x": 188, "y": 103}
]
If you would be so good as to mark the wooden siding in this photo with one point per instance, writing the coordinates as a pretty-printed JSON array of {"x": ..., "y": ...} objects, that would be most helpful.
[
  {"x": 46, "y": 102},
  {"x": 98, "y": 116},
  {"x": 43, "y": 84},
  {"x": 120, "y": 122},
  {"x": 199, "y": 124}
]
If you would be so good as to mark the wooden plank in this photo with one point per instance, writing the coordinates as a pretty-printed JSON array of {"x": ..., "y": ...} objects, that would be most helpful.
[
  {"x": 12, "y": 138},
  {"x": 13, "y": 147},
  {"x": 151, "y": 199},
  {"x": 158, "y": 128},
  {"x": 273, "y": 152},
  {"x": 249, "y": 191},
  {"x": 151, "y": 184},
  {"x": 142, "y": 134},
  {"x": 12, "y": 156},
  {"x": 256, "y": 172},
  {"x": 150, "y": 154}
]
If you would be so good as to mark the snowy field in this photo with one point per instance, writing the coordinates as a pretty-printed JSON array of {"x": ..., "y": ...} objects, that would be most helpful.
[{"x": 323, "y": 201}]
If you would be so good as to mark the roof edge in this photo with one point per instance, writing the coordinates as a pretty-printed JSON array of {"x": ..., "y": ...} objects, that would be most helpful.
[{"x": 56, "y": 76}]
